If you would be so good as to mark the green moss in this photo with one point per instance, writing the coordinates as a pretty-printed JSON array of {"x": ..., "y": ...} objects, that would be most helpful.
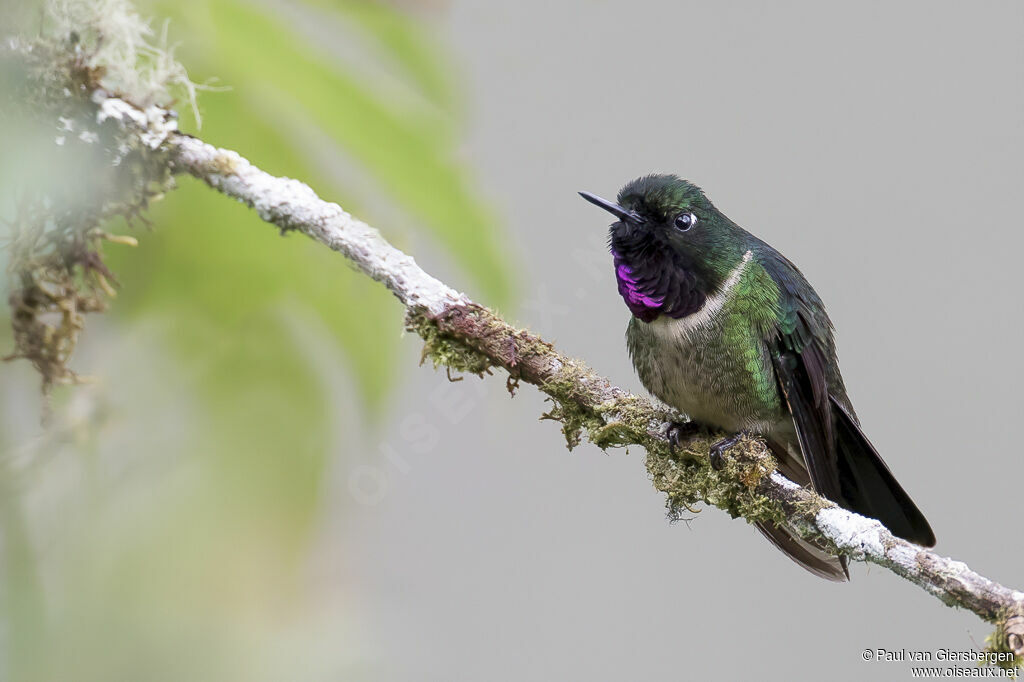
[
  {"x": 999, "y": 643},
  {"x": 567, "y": 408},
  {"x": 688, "y": 479},
  {"x": 809, "y": 508},
  {"x": 444, "y": 350},
  {"x": 685, "y": 476},
  {"x": 611, "y": 424}
]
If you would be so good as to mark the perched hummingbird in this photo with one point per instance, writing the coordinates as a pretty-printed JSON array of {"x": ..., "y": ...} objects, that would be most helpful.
[{"x": 726, "y": 330}]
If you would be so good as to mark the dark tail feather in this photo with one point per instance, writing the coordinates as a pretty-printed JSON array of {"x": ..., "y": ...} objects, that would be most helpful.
[
  {"x": 810, "y": 558},
  {"x": 816, "y": 561},
  {"x": 869, "y": 488}
]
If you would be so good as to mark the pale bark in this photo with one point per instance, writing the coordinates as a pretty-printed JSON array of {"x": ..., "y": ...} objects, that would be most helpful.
[{"x": 466, "y": 336}]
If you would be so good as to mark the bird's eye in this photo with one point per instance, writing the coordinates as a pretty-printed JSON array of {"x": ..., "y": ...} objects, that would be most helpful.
[{"x": 684, "y": 221}]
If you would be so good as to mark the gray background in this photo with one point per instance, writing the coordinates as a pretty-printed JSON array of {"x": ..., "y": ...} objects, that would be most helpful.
[{"x": 879, "y": 146}]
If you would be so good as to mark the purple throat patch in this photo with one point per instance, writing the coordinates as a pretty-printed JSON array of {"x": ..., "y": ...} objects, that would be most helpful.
[{"x": 643, "y": 303}]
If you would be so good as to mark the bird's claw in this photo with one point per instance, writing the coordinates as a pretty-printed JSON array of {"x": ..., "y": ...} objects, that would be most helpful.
[
  {"x": 680, "y": 432},
  {"x": 716, "y": 453}
]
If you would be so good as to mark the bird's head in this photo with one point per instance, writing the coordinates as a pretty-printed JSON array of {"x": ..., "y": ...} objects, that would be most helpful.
[{"x": 671, "y": 246}]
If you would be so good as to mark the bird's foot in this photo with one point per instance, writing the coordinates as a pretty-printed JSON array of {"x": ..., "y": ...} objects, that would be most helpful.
[
  {"x": 717, "y": 451},
  {"x": 680, "y": 432}
]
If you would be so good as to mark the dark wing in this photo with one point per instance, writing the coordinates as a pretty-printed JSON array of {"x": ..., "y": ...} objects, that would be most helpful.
[
  {"x": 801, "y": 368},
  {"x": 841, "y": 462}
]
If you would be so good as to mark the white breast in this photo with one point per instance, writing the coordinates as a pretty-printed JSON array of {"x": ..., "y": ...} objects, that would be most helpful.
[{"x": 690, "y": 329}]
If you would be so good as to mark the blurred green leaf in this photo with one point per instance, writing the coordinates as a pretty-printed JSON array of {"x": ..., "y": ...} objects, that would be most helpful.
[
  {"x": 405, "y": 42},
  {"x": 213, "y": 256},
  {"x": 408, "y": 152},
  {"x": 193, "y": 483}
]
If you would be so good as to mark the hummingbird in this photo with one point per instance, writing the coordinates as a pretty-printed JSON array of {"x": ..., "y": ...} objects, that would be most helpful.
[{"x": 728, "y": 331}]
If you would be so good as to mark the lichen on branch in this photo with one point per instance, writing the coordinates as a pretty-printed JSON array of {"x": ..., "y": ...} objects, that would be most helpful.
[
  {"x": 464, "y": 336},
  {"x": 467, "y": 337},
  {"x": 81, "y": 165}
]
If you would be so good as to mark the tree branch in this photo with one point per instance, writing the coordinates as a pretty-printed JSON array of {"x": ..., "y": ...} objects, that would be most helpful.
[{"x": 468, "y": 337}]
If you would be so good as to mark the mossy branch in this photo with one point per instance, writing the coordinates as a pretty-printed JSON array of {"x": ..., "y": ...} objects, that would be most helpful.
[{"x": 464, "y": 336}]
